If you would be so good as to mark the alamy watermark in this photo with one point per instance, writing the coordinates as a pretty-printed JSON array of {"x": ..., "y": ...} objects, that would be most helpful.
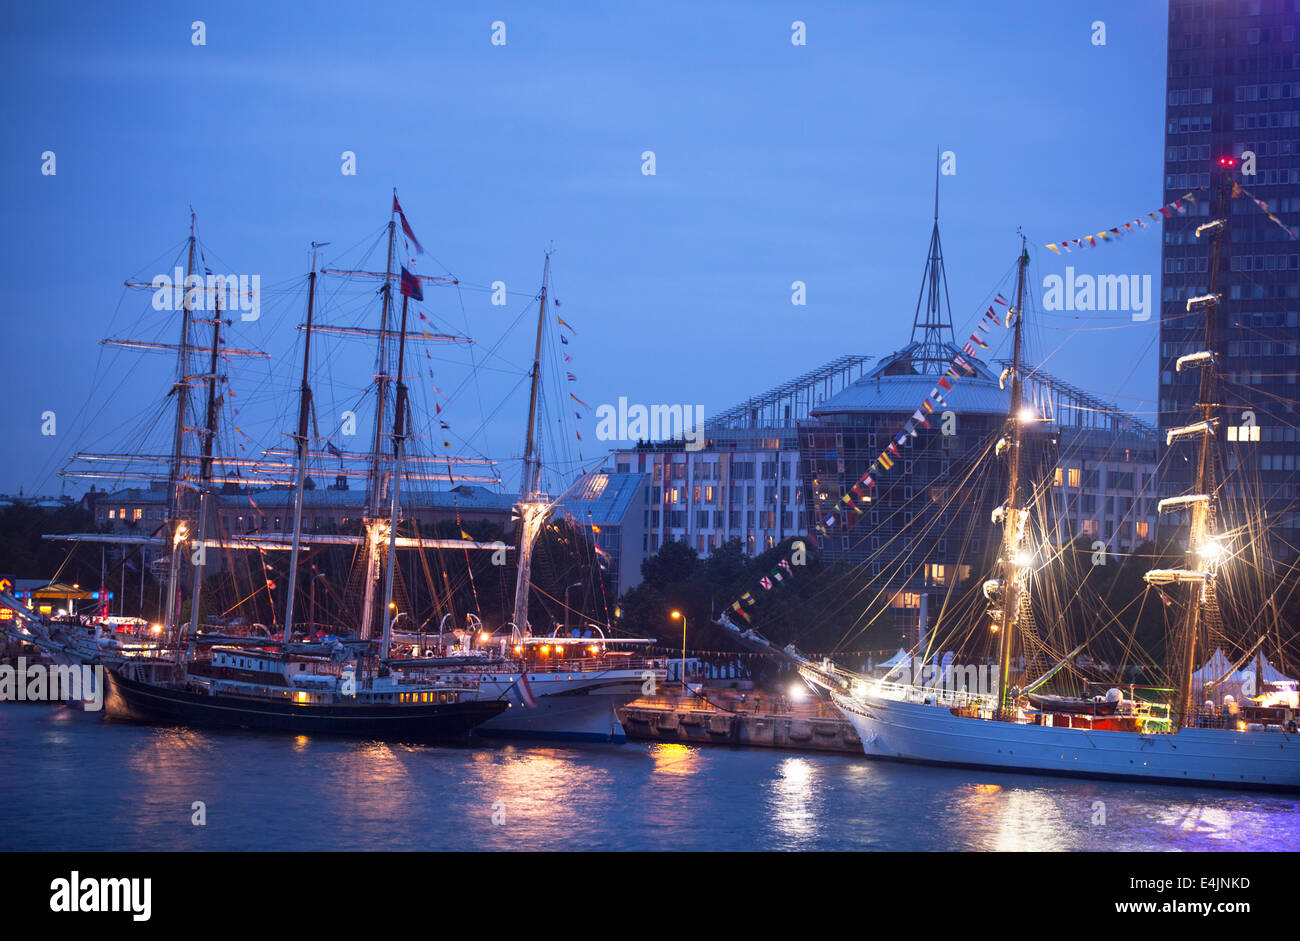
[
  {"x": 638, "y": 422},
  {"x": 214, "y": 292},
  {"x": 976, "y": 679},
  {"x": 49, "y": 682},
  {"x": 1128, "y": 292}
]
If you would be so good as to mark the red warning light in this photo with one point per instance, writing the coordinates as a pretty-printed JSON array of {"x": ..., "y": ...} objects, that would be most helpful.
[{"x": 1226, "y": 161}]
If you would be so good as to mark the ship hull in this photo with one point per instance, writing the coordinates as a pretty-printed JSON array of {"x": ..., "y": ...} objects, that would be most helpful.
[
  {"x": 581, "y": 707},
  {"x": 419, "y": 722},
  {"x": 930, "y": 734}
]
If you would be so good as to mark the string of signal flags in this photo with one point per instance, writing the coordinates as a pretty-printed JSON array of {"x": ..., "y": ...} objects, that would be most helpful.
[
  {"x": 885, "y": 461},
  {"x": 1167, "y": 211}
]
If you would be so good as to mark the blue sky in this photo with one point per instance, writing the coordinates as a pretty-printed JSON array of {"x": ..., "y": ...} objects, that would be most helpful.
[{"x": 774, "y": 163}]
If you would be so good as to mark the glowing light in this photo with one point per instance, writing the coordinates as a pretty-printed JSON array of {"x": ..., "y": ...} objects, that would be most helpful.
[
  {"x": 155, "y": 628},
  {"x": 559, "y": 649},
  {"x": 592, "y": 649},
  {"x": 676, "y": 615},
  {"x": 1026, "y": 414},
  {"x": 518, "y": 648},
  {"x": 798, "y": 692},
  {"x": 545, "y": 649},
  {"x": 484, "y": 636},
  {"x": 1210, "y": 549},
  {"x": 1227, "y": 161},
  {"x": 1023, "y": 559}
]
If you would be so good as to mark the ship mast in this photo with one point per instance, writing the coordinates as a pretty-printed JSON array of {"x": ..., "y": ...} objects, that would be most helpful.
[
  {"x": 205, "y": 469},
  {"x": 532, "y": 511},
  {"x": 399, "y": 441},
  {"x": 304, "y": 413},
  {"x": 373, "y": 522},
  {"x": 1201, "y": 544},
  {"x": 1013, "y": 573},
  {"x": 176, "y": 529}
]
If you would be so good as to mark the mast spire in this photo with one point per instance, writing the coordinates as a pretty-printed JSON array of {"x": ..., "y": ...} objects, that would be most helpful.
[{"x": 932, "y": 336}]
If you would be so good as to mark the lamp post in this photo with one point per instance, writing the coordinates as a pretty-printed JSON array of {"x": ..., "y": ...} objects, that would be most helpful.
[
  {"x": 566, "y": 605},
  {"x": 679, "y": 616}
]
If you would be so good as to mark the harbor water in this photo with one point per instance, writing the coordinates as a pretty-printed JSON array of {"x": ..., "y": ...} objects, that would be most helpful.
[{"x": 74, "y": 781}]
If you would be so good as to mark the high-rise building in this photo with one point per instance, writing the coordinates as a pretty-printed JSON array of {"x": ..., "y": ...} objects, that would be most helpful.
[{"x": 1233, "y": 93}]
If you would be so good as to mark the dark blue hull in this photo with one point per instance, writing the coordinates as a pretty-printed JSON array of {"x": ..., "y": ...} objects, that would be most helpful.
[{"x": 415, "y": 722}]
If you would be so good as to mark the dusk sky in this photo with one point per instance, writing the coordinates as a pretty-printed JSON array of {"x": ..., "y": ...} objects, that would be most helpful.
[{"x": 774, "y": 163}]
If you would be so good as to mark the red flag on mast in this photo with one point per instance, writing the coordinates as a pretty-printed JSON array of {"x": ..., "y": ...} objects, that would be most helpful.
[{"x": 406, "y": 226}]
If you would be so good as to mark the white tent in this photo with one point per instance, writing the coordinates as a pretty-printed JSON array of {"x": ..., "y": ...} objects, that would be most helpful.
[
  {"x": 892, "y": 665},
  {"x": 1214, "y": 670}
]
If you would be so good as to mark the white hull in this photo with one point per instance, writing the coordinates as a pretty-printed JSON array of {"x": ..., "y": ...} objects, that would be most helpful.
[
  {"x": 916, "y": 731},
  {"x": 573, "y": 706}
]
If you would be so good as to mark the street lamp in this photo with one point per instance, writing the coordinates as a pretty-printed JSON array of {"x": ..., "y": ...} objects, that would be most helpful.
[
  {"x": 677, "y": 615},
  {"x": 566, "y": 604}
]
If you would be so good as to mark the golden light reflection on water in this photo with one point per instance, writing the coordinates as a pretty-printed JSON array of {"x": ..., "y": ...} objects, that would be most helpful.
[
  {"x": 792, "y": 790},
  {"x": 675, "y": 758},
  {"x": 991, "y": 817},
  {"x": 301, "y": 743}
]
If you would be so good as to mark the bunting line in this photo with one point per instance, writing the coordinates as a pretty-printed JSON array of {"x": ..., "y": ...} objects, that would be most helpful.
[{"x": 1115, "y": 233}]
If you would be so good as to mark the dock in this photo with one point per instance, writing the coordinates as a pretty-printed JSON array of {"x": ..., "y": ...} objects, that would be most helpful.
[{"x": 726, "y": 717}]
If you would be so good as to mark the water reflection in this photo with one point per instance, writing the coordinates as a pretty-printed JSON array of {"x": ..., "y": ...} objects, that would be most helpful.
[
  {"x": 792, "y": 792},
  {"x": 675, "y": 758},
  {"x": 90, "y": 785}
]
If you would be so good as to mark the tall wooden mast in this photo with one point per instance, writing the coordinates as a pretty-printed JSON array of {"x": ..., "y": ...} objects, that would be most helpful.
[
  {"x": 1013, "y": 572},
  {"x": 394, "y": 486},
  {"x": 1201, "y": 545},
  {"x": 375, "y": 495},
  {"x": 205, "y": 468},
  {"x": 531, "y": 511},
  {"x": 176, "y": 529},
  {"x": 301, "y": 439}
]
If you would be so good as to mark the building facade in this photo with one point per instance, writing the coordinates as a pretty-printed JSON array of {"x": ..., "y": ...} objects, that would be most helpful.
[
  {"x": 1233, "y": 92},
  {"x": 745, "y": 481}
]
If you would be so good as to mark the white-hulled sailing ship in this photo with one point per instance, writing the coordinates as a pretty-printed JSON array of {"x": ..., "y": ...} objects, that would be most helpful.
[
  {"x": 1187, "y": 740},
  {"x": 558, "y": 687}
]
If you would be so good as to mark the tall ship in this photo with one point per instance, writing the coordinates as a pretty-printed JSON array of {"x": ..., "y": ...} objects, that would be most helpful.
[
  {"x": 559, "y": 687},
  {"x": 282, "y": 684},
  {"x": 1188, "y": 733},
  {"x": 522, "y": 683}
]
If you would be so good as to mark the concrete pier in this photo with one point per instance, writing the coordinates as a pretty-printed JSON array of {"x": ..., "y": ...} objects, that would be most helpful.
[{"x": 753, "y": 720}]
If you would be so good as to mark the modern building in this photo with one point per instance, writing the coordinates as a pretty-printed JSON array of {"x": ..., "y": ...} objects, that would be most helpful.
[
  {"x": 744, "y": 482},
  {"x": 1233, "y": 91},
  {"x": 613, "y": 510}
]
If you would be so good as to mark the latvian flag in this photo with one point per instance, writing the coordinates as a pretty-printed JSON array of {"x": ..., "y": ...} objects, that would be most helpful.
[
  {"x": 411, "y": 286},
  {"x": 521, "y": 689}
]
